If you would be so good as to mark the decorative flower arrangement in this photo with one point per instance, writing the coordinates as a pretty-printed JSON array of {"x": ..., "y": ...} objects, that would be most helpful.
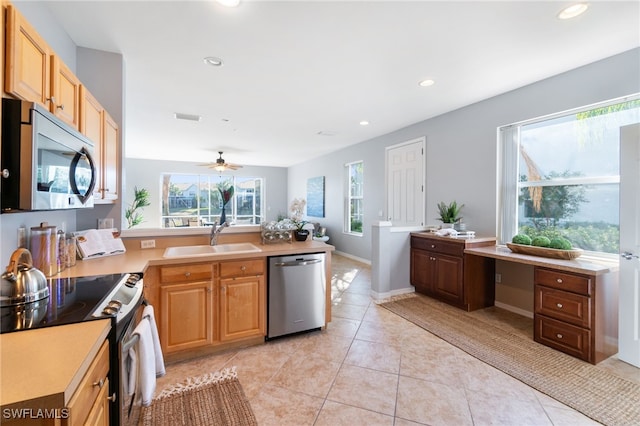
[
  {"x": 296, "y": 210},
  {"x": 226, "y": 192}
]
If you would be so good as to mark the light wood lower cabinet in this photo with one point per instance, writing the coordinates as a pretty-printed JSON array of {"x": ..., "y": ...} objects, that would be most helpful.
[
  {"x": 203, "y": 305},
  {"x": 242, "y": 299},
  {"x": 186, "y": 307},
  {"x": 90, "y": 402}
]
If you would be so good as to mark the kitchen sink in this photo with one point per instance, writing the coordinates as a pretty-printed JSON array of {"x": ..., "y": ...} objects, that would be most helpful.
[{"x": 204, "y": 250}]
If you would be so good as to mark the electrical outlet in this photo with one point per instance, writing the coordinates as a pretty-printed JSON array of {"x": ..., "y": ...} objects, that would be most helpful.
[
  {"x": 498, "y": 278},
  {"x": 147, "y": 244}
]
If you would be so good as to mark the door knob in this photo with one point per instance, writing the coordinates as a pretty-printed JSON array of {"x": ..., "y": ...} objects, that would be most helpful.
[{"x": 628, "y": 255}]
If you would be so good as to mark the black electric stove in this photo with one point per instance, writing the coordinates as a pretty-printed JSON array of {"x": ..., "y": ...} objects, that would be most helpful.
[{"x": 73, "y": 300}]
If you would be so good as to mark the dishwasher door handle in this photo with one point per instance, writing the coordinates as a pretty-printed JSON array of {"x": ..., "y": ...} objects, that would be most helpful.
[{"x": 298, "y": 263}]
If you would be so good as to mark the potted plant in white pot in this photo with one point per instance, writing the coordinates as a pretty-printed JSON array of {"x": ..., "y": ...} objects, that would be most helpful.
[{"x": 449, "y": 213}]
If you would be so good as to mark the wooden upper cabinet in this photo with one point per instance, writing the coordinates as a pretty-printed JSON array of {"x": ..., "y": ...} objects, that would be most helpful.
[
  {"x": 110, "y": 149},
  {"x": 91, "y": 113},
  {"x": 27, "y": 72},
  {"x": 65, "y": 90}
]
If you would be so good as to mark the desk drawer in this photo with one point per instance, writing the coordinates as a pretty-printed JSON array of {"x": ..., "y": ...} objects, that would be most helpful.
[
  {"x": 563, "y": 305},
  {"x": 564, "y": 337},
  {"x": 437, "y": 246},
  {"x": 563, "y": 281}
]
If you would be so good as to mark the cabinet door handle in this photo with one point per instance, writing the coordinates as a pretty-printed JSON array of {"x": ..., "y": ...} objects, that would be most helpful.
[
  {"x": 223, "y": 289},
  {"x": 209, "y": 290},
  {"x": 112, "y": 398},
  {"x": 559, "y": 305},
  {"x": 559, "y": 280},
  {"x": 99, "y": 383},
  {"x": 559, "y": 336}
]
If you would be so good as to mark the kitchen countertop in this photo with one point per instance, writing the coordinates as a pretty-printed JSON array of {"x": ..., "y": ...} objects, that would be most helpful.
[
  {"x": 41, "y": 368},
  {"x": 139, "y": 260}
]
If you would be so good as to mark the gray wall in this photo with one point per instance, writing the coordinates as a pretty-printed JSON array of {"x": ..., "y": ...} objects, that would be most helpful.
[
  {"x": 461, "y": 155},
  {"x": 146, "y": 174}
]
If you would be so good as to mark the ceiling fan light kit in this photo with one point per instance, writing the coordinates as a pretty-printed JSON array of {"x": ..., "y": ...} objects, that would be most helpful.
[{"x": 220, "y": 165}]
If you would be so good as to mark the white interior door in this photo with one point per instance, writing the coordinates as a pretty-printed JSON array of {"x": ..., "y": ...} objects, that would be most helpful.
[
  {"x": 629, "y": 314},
  {"x": 405, "y": 183}
]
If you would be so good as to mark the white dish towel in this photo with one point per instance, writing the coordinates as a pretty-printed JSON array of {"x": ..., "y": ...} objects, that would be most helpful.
[
  {"x": 159, "y": 358},
  {"x": 146, "y": 362}
]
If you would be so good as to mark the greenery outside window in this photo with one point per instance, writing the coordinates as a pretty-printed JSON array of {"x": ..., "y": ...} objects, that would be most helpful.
[
  {"x": 194, "y": 200},
  {"x": 354, "y": 204},
  {"x": 560, "y": 175}
]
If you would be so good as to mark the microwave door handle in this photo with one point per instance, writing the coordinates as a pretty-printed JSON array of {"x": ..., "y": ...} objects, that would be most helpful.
[{"x": 83, "y": 153}]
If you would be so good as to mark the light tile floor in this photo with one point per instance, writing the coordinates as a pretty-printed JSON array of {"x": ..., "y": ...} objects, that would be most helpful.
[{"x": 371, "y": 367}]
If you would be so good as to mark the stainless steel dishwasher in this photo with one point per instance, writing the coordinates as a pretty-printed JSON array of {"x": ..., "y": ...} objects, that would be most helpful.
[{"x": 297, "y": 294}]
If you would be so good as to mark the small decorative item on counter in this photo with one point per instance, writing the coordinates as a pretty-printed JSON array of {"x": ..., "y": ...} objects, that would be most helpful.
[
  {"x": 557, "y": 247},
  {"x": 449, "y": 214},
  {"x": 277, "y": 232}
]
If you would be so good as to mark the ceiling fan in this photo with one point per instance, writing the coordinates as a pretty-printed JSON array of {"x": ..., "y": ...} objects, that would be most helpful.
[{"x": 220, "y": 165}]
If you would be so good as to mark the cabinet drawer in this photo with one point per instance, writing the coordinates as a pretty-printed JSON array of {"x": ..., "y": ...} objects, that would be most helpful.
[
  {"x": 90, "y": 386},
  {"x": 563, "y": 281},
  {"x": 437, "y": 246},
  {"x": 242, "y": 268},
  {"x": 564, "y": 337},
  {"x": 570, "y": 307},
  {"x": 191, "y": 272}
]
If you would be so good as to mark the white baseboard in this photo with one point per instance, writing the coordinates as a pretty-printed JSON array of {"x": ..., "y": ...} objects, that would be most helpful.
[
  {"x": 514, "y": 309},
  {"x": 356, "y": 258},
  {"x": 381, "y": 296}
]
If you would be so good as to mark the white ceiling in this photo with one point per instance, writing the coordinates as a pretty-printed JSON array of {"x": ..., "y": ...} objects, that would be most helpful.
[{"x": 293, "y": 69}]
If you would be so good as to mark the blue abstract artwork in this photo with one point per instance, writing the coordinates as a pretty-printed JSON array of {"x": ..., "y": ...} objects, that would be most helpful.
[{"x": 315, "y": 196}]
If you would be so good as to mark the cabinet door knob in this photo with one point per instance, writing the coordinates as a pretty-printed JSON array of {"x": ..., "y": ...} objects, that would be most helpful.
[
  {"x": 112, "y": 398},
  {"x": 559, "y": 305},
  {"x": 52, "y": 99},
  {"x": 60, "y": 107},
  {"x": 99, "y": 383},
  {"x": 187, "y": 274},
  {"x": 243, "y": 268},
  {"x": 433, "y": 246},
  {"x": 559, "y": 336},
  {"x": 559, "y": 280}
]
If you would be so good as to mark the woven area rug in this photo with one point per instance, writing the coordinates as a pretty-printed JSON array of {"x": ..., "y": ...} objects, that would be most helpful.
[
  {"x": 214, "y": 399},
  {"x": 596, "y": 393}
]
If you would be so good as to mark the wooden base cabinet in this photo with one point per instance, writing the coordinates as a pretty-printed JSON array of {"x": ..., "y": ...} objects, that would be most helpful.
[
  {"x": 242, "y": 299},
  {"x": 210, "y": 304},
  {"x": 90, "y": 403},
  {"x": 576, "y": 313},
  {"x": 186, "y": 307},
  {"x": 440, "y": 269}
]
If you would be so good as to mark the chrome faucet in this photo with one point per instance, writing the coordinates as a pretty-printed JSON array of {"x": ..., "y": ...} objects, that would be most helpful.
[{"x": 215, "y": 231}]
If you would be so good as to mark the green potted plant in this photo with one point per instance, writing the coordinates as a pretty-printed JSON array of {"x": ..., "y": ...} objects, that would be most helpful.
[
  {"x": 140, "y": 200},
  {"x": 449, "y": 213}
]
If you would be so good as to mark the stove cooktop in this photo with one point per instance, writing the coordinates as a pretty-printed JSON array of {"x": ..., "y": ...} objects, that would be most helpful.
[{"x": 70, "y": 300}]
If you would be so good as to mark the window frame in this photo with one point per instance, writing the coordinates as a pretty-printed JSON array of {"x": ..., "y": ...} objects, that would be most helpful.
[
  {"x": 508, "y": 176},
  {"x": 347, "y": 228},
  {"x": 213, "y": 181}
]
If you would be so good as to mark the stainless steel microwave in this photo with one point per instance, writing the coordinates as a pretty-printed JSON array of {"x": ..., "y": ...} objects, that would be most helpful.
[{"x": 46, "y": 165}]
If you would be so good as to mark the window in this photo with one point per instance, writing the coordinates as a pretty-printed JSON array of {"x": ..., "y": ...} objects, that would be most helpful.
[
  {"x": 560, "y": 176},
  {"x": 354, "y": 205},
  {"x": 195, "y": 200}
]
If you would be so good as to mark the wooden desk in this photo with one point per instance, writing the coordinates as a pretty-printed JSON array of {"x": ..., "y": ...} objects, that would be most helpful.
[{"x": 575, "y": 305}]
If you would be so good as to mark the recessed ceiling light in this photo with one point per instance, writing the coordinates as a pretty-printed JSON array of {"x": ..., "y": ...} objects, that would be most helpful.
[
  {"x": 188, "y": 117},
  {"x": 229, "y": 3},
  {"x": 364, "y": 123},
  {"x": 213, "y": 61},
  {"x": 573, "y": 10},
  {"x": 426, "y": 83}
]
